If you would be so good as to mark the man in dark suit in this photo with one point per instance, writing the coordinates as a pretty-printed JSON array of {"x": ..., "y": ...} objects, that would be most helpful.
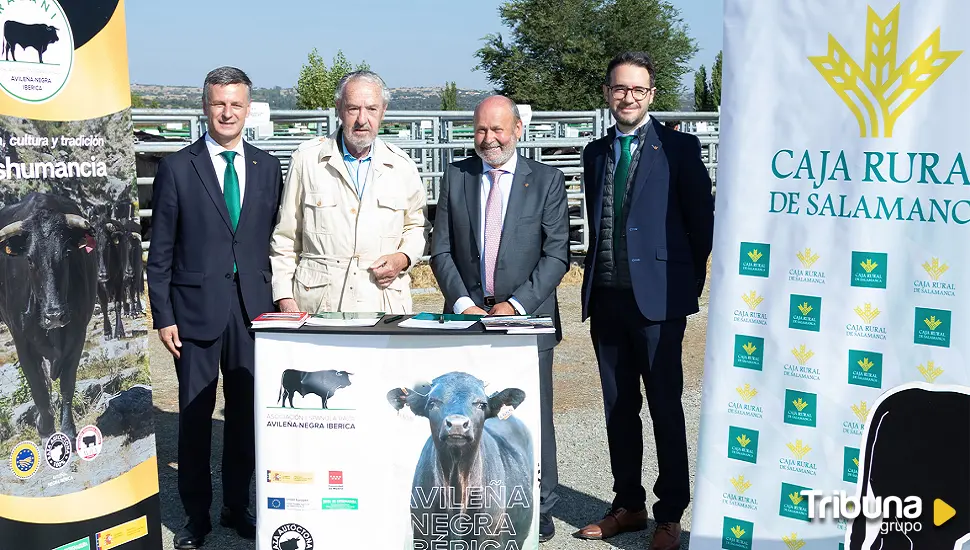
[
  {"x": 214, "y": 209},
  {"x": 519, "y": 206},
  {"x": 651, "y": 215}
]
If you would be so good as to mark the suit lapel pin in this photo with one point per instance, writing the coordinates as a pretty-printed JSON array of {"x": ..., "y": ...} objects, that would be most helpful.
[
  {"x": 527, "y": 185},
  {"x": 655, "y": 147},
  {"x": 254, "y": 162}
]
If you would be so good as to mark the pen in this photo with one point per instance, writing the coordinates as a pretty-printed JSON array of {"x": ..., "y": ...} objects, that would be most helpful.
[
  {"x": 441, "y": 320},
  {"x": 392, "y": 319}
]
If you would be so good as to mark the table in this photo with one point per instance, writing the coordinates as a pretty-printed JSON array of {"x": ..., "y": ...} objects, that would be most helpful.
[{"x": 386, "y": 437}]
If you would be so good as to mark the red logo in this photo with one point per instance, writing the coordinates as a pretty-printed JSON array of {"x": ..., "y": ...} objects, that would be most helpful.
[{"x": 336, "y": 479}]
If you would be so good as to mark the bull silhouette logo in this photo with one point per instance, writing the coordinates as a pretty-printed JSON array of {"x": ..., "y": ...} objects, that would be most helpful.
[
  {"x": 932, "y": 465},
  {"x": 322, "y": 383},
  {"x": 292, "y": 536},
  {"x": 37, "y": 48}
]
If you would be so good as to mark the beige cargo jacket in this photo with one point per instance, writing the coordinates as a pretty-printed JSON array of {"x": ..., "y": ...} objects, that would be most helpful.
[{"x": 326, "y": 238}]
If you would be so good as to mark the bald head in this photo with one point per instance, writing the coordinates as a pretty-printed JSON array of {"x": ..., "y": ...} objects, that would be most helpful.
[
  {"x": 498, "y": 128},
  {"x": 498, "y": 102}
]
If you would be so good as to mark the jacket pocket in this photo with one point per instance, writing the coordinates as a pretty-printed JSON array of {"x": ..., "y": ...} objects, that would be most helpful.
[
  {"x": 391, "y": 208},
  {"x": 318, "y": 211},
  {"x": 311, "y": 288},
  {"x": 187, "y": 278}
]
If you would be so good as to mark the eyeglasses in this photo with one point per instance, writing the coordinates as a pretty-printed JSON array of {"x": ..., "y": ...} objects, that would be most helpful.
[{"x": 639, "y": 92}]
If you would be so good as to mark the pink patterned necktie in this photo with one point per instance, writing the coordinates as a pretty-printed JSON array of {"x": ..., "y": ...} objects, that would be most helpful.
[{"x": 493, "y": 229}]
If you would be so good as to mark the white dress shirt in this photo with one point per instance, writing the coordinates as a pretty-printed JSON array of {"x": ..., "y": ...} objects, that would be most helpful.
[
  {"x": 219, "y": 163},
  {"x": 505, "y": 186}
]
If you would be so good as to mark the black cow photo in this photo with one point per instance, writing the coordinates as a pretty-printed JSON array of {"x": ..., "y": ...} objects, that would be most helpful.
[
  {"x": 474, "y": 478},
  {"x": 322, "y": 383},
  {"x": 73, "y": 323},
  {"x": 917, "y": 444}
]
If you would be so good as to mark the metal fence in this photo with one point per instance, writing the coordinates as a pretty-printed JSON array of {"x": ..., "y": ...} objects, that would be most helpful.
[{"x": 433, "y": 139}]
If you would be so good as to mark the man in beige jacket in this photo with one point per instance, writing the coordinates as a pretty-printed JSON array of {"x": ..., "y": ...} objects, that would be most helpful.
[{"x": 353, "y": 218}]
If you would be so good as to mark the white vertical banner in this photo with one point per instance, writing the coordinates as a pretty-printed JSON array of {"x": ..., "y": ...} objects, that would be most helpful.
[
  {"x": 413, "y": 442},
  {"x": 839, "y": 294}
]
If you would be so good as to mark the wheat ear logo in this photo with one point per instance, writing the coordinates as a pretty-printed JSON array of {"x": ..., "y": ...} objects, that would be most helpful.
[
  {"x": 805, "y": 308},
  {"x": 754, "y": 255},
  {"x": 869, "y": 265},
  {"x": 932, "y": 322},
  {"x": 867, "y": 313},
  {"x": 740, "y": 485},
  {"x": 865, "y": 364},
  {"x": 861, "y": 411},
  {"x": 807, "y": 257},
  {"x": 737, "y": 531},
  {"x": 802, "y": 355},
  {"x": 935, "y": 269},
  {"x": 796, "y": 498},
  {"x": 881, "y": 93},
  {"x": 792, "y": 541},
  {"x": 743, "y": 440},
  {"x": 749, "y": 348},
  {"x": 800, "y": 404},
  {"x": 798, "y": 449},
  {"x": 752, "y": 299},
  {"x": 856, "y": 462},
  {"x": 930, "y": 372},
  {"x": 746, "y": 392}
]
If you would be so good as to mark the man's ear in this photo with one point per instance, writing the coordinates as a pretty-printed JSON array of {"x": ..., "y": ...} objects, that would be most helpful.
[
  {"x": 512, "y": 397},
  {"x": 401, "y": 397}
]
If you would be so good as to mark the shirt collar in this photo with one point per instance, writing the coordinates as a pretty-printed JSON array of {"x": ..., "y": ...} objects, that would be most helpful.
[
  {"x": 351, "y": 158},
  {"x": 215, "y": 148},
  {"x": 639, "y": 131},
  {"x": 509, "y": 166}
]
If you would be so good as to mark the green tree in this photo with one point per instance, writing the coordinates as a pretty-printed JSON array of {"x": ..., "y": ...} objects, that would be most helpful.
[
  {"x": 449, "y": 97},
  {"x": 716, "y": 82},
  {"x": 702, "y": 95},
  {"x": 558, "y": 51},
  {"x": 317, "y": 83},
  {"x": 138, "y": 102}
]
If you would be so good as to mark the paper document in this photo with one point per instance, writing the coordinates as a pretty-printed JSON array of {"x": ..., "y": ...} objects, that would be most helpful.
[
  {"x": 345, "y": 319},
  {"x": 433, "y": 321}
]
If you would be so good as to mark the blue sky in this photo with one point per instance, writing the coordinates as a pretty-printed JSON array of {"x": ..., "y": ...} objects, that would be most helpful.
[{"x": 408, "y": 42}]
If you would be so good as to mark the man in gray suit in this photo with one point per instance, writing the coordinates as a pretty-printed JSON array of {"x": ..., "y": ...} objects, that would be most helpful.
[{"x": 519, "y": 206}]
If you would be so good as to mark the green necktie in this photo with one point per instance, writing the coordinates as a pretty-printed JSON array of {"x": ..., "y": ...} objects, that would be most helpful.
[
  {"x": 619, "y": 187},
  {"x": 231, "y": 191}
]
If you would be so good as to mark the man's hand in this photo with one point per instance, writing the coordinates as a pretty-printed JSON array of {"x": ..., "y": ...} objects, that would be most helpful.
[
  {"x": 170, "y": 338},
  {"x": 287, "y": 305},
  {"x": 387, "y": 268},
  {"x": 474, "y": 310},
  {"x": 503, "y": 308}
]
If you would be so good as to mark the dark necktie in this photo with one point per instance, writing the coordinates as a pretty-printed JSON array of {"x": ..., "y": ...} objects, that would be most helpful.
[{"x": 619, "y": 187}]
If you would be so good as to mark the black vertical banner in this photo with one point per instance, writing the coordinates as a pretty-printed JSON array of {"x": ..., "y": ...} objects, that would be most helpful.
[{"x": 77, "y": 438}]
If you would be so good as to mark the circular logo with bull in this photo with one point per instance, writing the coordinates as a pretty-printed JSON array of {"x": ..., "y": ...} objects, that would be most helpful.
[
  {"x": 291, "y": 536},
  {"x": 57, "y": 452},
  {"x": 23, "y": 459},
  {"x": 37, "y": 48},
  {"x": 89, "y": 442}
]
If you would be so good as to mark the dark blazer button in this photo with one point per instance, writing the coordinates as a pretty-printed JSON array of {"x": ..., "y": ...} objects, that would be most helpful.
[
  {"x": 228, "y": 275},
  {"x": 235, "y": 242}
]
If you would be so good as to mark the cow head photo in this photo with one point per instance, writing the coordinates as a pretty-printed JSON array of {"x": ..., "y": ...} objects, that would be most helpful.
[
  {"x": 474, "y": 444},
  {"x": 456, "y": 406},
  {"x": 916, "y": 444}
]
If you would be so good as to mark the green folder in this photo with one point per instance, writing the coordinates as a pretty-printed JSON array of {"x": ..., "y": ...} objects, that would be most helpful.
[{"x": 447, "y": 316}]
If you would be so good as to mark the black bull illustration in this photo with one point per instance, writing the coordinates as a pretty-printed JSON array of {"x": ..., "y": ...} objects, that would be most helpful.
[
  {"x": 38, "y": 37},
  {"x": 917, "y": 444},
  {"x": 472, "y": 447},
  {"x": 322, "y": 383}
]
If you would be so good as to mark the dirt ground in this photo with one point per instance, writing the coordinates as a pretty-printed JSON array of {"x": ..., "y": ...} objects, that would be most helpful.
[{"x": 577, "y": 395}]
